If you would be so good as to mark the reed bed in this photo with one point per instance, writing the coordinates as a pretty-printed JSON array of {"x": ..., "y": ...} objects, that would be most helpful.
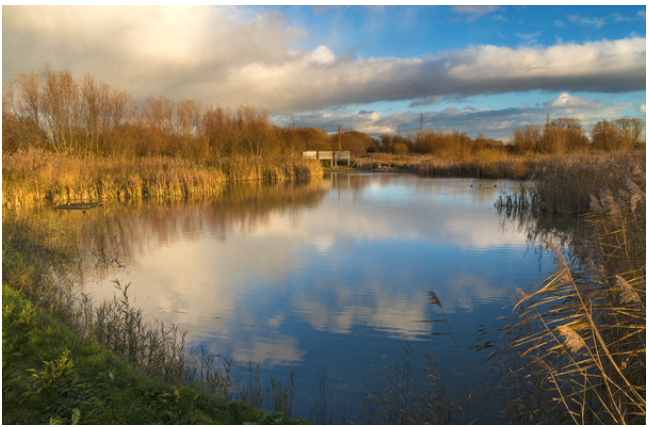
[
  {"x": 581, "y": 173},
  {"x": 34, "y": 174},
  {"x": 483, "y": 164},
  {"x": 487, "y": 164},
  {"x": 567, "y": 184},
  {"x": 579, "y": 336}
]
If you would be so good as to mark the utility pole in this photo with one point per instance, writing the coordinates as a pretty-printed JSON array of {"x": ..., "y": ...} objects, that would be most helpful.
[
  {"x": 421, "y": 125},
  {"x": 334, "y": 161}
]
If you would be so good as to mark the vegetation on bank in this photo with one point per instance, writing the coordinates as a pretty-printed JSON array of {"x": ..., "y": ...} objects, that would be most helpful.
[
  {"x": 69, "y": 139},
  {"x": 36, "y": 174},
  {"x": 76, "y": 360},
  {"x": 575, "y": 349},
  {"x": 55, "y": 111},
  {"x": 52, "y": 375},
  {"x": 579, "y": 337}
]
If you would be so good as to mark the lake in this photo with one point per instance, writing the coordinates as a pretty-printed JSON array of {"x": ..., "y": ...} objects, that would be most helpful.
[{"x": 332, "y": 279}]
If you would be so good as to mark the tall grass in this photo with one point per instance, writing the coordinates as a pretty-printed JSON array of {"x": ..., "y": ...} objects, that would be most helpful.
[
  {"x": 483, "y": 164},
  {"x": 35, "y": 174},
  {"x": 575, "y": 174},
  {"x": 579, "y": 336},
  {"x": 566, "y": 184}
]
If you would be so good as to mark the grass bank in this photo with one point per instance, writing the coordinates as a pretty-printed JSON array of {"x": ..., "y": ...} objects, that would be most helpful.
[
  {"x": 34, "y": 174},
  {"x": 52, "y": 375},
  {"x": 43, "y": 257}
]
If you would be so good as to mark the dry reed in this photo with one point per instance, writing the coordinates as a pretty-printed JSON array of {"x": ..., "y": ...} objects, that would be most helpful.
[
  {"x": 580, "y": 334},
  {"x": 33, "y": 175}
]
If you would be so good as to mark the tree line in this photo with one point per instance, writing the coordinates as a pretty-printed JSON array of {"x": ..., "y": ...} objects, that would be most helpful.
[
  {"x": 55, "y": 111},
  {"x": 58, "y": 112}
]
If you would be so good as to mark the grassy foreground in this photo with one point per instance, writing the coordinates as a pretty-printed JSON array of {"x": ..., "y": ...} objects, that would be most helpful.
[{"x": 52, "y": 375}]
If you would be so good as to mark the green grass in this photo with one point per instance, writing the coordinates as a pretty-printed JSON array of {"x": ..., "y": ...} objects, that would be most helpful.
[{"x": 52, "y": 375}]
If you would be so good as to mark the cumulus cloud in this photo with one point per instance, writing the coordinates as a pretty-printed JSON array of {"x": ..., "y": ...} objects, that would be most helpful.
[
  {"x": 495, "y": 123},
  {"x": 323, "y": 56},
  {"x": 222, "y": 55}
]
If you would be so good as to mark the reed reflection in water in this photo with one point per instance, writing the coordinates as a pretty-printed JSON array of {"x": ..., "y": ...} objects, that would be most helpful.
[{"x": 332, "y": 276}]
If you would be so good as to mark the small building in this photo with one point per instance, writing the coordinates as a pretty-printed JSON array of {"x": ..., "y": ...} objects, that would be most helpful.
[{"x": 334, "y": 157}]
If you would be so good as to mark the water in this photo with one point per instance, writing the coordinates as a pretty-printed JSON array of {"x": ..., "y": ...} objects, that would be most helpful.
[{"x": 330, "y": 278}]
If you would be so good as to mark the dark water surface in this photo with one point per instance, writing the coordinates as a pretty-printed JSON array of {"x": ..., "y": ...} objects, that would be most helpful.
[{"x": 330, "y": 278}]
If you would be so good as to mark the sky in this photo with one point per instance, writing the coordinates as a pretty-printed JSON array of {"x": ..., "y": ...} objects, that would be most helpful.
[{"x": 375, "y": 69}]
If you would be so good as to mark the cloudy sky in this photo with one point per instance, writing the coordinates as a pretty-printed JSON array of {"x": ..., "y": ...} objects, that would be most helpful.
[{"x": 374, "y": 69}]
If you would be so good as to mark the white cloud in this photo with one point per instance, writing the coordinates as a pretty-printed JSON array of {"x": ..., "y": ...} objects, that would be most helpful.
[
  {"x": 642, "y": 108},
  {"x": 566, "y": 100},
  {"x": 566, "y": 105},
  {"x": 222, "y": 55},
  {"x": 323, "y": 56}
]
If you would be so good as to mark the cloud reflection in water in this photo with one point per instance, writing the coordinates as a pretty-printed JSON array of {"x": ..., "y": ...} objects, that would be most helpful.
[{"x": 257, "y": 273}]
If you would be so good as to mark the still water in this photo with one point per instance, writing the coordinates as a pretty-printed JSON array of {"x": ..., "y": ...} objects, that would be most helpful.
[{"x": 330, "y": 278}]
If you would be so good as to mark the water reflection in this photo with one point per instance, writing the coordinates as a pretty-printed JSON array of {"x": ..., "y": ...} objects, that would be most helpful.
[{"x": 332, "y": 275}]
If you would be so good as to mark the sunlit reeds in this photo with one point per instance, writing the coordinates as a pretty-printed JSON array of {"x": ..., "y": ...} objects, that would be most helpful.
[
  {"x": 34, "y": 175},
  {"x": 483, "y": 164},
  {"x": 566, "y": 184},
  {"x": 579, "y": 336},
  {"x": 565, "y": 181}
]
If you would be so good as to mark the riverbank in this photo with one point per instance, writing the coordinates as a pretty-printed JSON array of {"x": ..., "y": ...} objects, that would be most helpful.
[
  {"x": 50, "y": 375},
  {"x": 33, "y": 175},
  {"x": 569, "y": 179},
  {"x": 492, "y": 164}
]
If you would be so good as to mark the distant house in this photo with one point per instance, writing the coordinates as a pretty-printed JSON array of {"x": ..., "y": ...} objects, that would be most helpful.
[{"x": 334, "y": 157}]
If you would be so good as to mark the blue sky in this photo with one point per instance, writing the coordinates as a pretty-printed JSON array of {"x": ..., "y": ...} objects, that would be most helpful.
[{"x": 375, "y": 69}]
